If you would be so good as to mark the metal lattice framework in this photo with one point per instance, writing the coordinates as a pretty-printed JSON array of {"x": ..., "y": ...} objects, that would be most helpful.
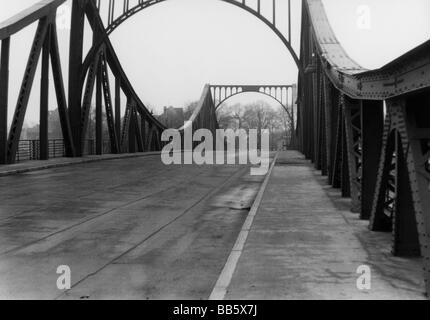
[
  {"x": 384, "y": 168},
  {"x": 285, "y": 95},
  {"x": 103, "y": 23},
  {"x": 380, "y": 158},
  {"x": 280, "y": 93}
]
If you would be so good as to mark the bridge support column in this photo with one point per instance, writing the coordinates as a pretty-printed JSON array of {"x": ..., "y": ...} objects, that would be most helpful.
[
  {"x": 75, "y": 70},
  {"x": 99, "y": 112},
  {"x": 382, "y": 199},
  {"x": 404, "y": 222},
  {"x": 316, "y": 119},
  {"x": 110, "y": 117},
  {"x": 138, "y": 134},
  {"x": 353, "y": 132},
  {"x": 144, "y": 132},
  {"x": 132, "y": 132},
  {"x": 372, "y": 127},
  {"x": 327, "y": 115},
  {"x": 332, "y": 114},
  {"x": 402, "y": 197},
  {"x": 337, "y": 144},
  {"x": 417, "y": 150},
  {"x": 118, "y": 105},
  {"x": 44, "y": 98},
  {"x": 345, "y": 180},
  {"x": 323, "y": 137},
  {"x": 4, "y": 96}
]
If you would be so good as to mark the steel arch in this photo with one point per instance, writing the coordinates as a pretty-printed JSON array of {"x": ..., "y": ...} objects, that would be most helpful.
[
  {"x": 114, "y": 23},
  {"x": 241, "y": 89}
]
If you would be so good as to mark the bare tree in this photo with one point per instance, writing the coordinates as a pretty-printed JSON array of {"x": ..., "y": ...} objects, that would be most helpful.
[
  {"x": 226, "y": 118},
  {"x": 189, "y": 109}
]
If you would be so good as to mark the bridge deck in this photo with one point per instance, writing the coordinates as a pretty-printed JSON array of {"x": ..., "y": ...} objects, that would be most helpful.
[
  {"x": 134, "y": 228},
  {"x": 306, "y": 244},
  {"x": 128, "y": 228}
]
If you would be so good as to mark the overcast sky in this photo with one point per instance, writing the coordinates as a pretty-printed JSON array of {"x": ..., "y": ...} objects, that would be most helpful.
[{"x": 171, "y": 50}]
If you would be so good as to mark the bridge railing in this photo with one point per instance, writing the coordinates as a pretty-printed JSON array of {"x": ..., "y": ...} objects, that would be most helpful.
[
  {"x": 29, "y": 150},
  {"x": 204, "y": 116},
  {"x": 88, "y": 77},
  {"x": 44, "y": 48},
  {"x": 369, "y": 132},
  {"x": 138, "y": 129}
]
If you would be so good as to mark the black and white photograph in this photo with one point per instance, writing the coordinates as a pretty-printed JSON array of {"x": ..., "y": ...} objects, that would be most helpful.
[{"x": 214, "y": 154}]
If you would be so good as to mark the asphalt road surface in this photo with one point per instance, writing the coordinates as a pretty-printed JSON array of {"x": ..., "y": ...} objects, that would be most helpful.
[{"x": 128, "y": 229}]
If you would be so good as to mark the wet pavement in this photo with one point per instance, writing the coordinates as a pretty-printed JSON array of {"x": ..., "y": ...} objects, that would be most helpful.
[
  {"x": 134, "y": 228},
  {"x": 306, "y": 244},
  {"x": 128, "y": 229}
]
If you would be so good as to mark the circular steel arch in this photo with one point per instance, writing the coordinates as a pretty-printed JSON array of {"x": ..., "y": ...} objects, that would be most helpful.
[
  {"x": 220, "y": 103},
  {"x": 149, "y": 3}
]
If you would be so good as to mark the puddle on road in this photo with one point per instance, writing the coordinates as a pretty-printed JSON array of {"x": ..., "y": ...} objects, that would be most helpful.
[{"x": 239, "y": 197}]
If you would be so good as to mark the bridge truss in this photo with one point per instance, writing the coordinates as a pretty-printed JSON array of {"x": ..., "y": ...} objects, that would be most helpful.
[
  {"x": 367, "y": 131},
  {"x": 283, "y": 94}
]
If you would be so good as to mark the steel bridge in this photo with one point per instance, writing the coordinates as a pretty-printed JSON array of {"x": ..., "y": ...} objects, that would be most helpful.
[{"x": 368, "y": 131}]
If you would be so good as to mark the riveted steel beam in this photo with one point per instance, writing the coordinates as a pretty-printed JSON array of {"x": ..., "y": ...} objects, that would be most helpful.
[
  {"x": 25, "y": 90},
  {"x": 372, "y": 126},
  {"x": 4, "y": 96}
]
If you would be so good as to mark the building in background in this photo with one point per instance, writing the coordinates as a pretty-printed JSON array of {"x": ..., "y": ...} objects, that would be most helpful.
[{"x": 172, "y": 117}]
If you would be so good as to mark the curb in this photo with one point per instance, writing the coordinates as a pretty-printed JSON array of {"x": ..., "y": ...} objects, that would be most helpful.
[
  {"x": 75, "y": 162},
  {"x": 221, "y": 288}
]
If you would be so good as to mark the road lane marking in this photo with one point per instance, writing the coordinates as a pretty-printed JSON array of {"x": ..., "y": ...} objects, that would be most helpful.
[
  {"x": 220, "y": 290},
  {"x": 205, "y": 197}
]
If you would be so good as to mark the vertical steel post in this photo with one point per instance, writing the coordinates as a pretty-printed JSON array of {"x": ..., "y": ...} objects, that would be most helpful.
[
  {"x": 44, "y": 98},
  {"x": 372, "y": 129},
  {"x": 99, "y": 112},
  {"x": 345, "y": 182},
  {"x": 25, "y": 90},
  {"x": 139, "y": 140},
  {"x": 61, "y": 94},
  {"x": 417, "y": 148},
  {"x": 132, "y": 132},
  {"x": 75, "y": 69},
  {"x": 143, "y": 128},
  {"x": 118, "y": 105},
  {"x": 405, "y": 232},
  {"x": 338, "y": 130},
  {"x": 4, "y": 95},
  {"x": 352, "y": 115}
]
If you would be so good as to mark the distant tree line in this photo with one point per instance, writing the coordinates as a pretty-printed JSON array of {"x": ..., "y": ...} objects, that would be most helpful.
[
  {"x": 54, "y": 128},
  {"x": 259, "y": 115}
]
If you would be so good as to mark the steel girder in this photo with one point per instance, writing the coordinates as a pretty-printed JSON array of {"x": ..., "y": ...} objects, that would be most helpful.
[
  {"x": 24, "y": 92},
  {"x": 44, "y": 48},
  {"x": 204, "y": 116},
  {"x": 100, "y": 62},
  {"x": 384, "y": 168},
  {"x": 206, "y": 119},
  {"x": 280, "y": 93},
  {"x": 406, "y": 74},
  {"x": 114, "y": 19},
  {"x": 372, "y": 125},
  {"x": 108, "y": 105},
  {"x": 4, "y": 96},
  {"x": 352, "y": 117},
  {"x": 402, "y": 199}
]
